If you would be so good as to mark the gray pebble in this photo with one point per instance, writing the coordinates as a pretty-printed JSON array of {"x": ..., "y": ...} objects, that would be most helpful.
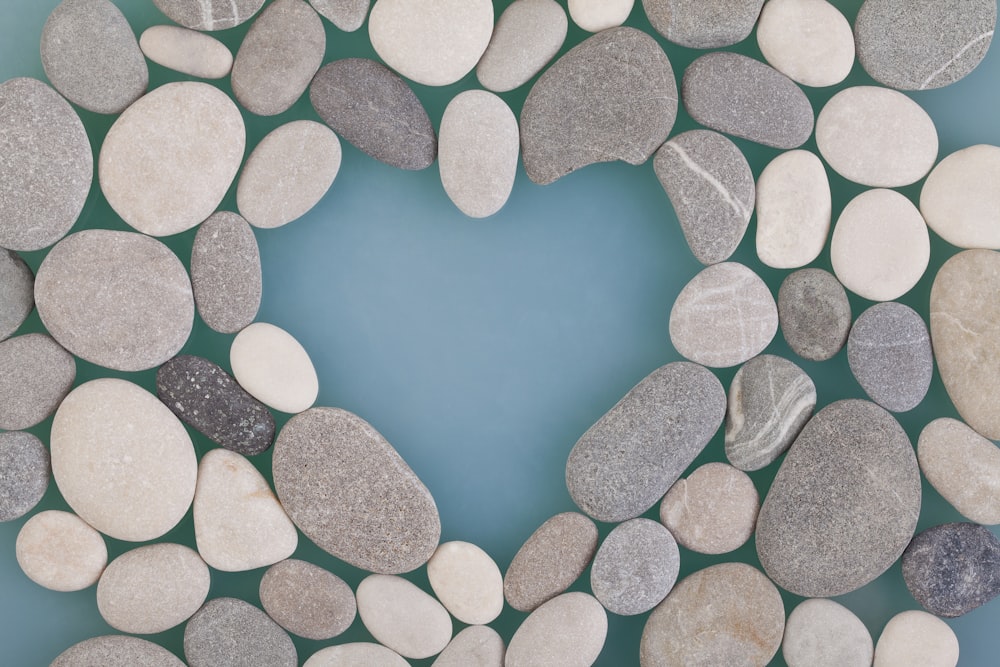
[
  {"x": 814, "y": 314},
  {"x": 17, "y": 292},
  {"x": 25, "y": 471},
  {"x": 635, "y": 567},
  {"x": 116, "y": 651},
  {"x": 348, "y": 15},
  {"x": 527, "y": 36},
  {"x": 307, "y": 600},
  {"x": 35, "y": 374},
  {"x": 703, "y": 24},
  {"x": 209, "y": 14},
  {"x": 225, "y": 272},
  {"x": 228, "y": 632}
]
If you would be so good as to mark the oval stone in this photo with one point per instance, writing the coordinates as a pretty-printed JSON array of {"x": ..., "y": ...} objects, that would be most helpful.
[
  {"x": 348, "y": 15},
  {"x": 567, "y": 631},
  {"x": 916, "y": 637},
  {"x": 25, "y": 470},
  {"x": 814, "y": 313},
  {"x": 794, "y": 209},
  {"x": 526, "y": 38},
  {"x": 226, "y": 273},
  {"x": 17, "y": 291},
  {"x": 357, "y": 653},
  {"x": 307, "y": 600},
  {"x": 703, "y": 24},
  {"x": 209, "y": 14},
  {"x": 116, "y": 651},
  {"x": 598, "y": 15},
  {"x": 713, "y": 510},
  {"x": 964, "y": 467},
  {"x": 822, "y": 633},
  {"x": 960, "y": 201},
  {"x": 274, "y": 368},
  {"x": 403, "y": 617},
  {"x": 475, "y": 646},
  {"x": 186, "y": 51},
  {"x": 228, "y": 632},
  {"x": 35, "y": 374},
  {"x": 467, "y": 582},
  {"x": 809, "y": 41},
  {"x": 59, "y": 551},
  {"x": 635, "y": 567}
]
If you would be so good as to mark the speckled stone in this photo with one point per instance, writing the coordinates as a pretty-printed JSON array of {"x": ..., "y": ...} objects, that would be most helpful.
[
  {"x": 228, "y": 632},
  {"x": 809, "y": 41},
  {"x": 566, "y": 631},
  {"x": 703, "y": 24},
  {"x": 794, "y": 208},
  {"x": 527, "y": 36},
  {"x": 814, "y": 313},
  {"x": 635, "y": 567},
  {"x": 60, "y": 551},
  {"x": 226, "y": 273},
  {"x": 354, "y": 654},
  {"x": 713, "y": 510},
  {"x": 403, "y": 617},
  {"x": 209, "y": 14},
  {"x": 307, "y": 600},
  {"x": 116, "y": 651},
  {"x": 352, "y": 494},
  {"x": 916, "y": 638},
  {"x": 626, "y": 461},
  {"x": 17, "y": 292},
  {"x": 186, "y": 51},
  {"x": 598, "y": 15},
  {"x": 373, "y": 109},
  {"x": 274, "y": 368},
  {"x": 611, "y": 97},
  {"x": 964, "y": 467},
  {"x": 475, "y": 646},
  {"x": 822, "y": 633},
  {"x": 35, "y": 374},
  {"x": 24, "y": 474},
  {"x": 467, "y": 581},
  {"x": 959, "y": 201},
  {"x": 711, "y": 189},
  {"x": 348, "y": 15},
  {"x": 850, "y": 479}
]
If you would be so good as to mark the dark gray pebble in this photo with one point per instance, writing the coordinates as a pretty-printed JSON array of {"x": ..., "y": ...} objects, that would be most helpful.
[
  {"x": 814, "y": 314},
  {"x": 25, "y": 471},
  {"x": 17, "y": 292},
  {"x": 35, "y": 374}
]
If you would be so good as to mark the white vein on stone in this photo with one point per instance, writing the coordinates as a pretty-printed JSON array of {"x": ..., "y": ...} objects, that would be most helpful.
[
  {"x": 739, "y": 207},
  {"x": 972, "y": 42}
]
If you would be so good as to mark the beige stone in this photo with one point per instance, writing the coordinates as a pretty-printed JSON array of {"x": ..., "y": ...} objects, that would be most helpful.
[
  {"x": 567, "y": 631},
  {"x": 403, "y": 617},
  {"x": 307, "y": 600},
  {"x": 356, "y": 655},
  {"x": 964, "y": 467},
  {"x": 822, "y": 633},
  {"x": 713, "y": 510},
  {"x": 60, "y": 551},
  {"x": 960, "y": 199},
  {"x": 809, "y": 41},
  {"x": 527, "y": 36},
  {"x": 916, "y": 638},
  {"x": 475, "y": 646},
  {"x": 794, "y": 208},
  {"x": 186, "y": 51},
  {"x": 274, "y": 368},
  {"x": 597, "y": 15}
]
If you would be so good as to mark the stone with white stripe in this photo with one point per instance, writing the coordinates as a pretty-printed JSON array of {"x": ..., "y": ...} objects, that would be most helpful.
[{"x": 209, "y": 14}]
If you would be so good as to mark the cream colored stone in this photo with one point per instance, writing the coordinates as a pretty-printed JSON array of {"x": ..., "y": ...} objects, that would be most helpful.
[
  {"x": 60, "y": 551},
  {"x": 822, "y": 633},
  {"x": 186, "y": 51},
  {"x": 274, "y": 368},
  {"x": 964, "y": 467},
  {"x": 567, "y": 631},
  {"x": 475, "y": 646},
  {"x": 597, "y": 15},
  {"x": 809, "y": 41},
  {"x": 960, "y": 199},
  {"x": 713, "y": 510},
  {"x": 527, "y": 36},
  {"x": 403, "y": 617},
  {"x": 793, "y": 210},
  {"x": 357, "y": 654},
  {"x": 916, "y": 638},
  {"x": 467, "y": 582}
]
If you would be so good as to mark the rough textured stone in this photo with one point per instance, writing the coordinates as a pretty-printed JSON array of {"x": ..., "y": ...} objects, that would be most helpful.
[
  {"x": 566, "y": 631},
  {"x": 227, "y": 632},
  {"x": 713, "y": 510},
  {"x": 703, "y": 24},
  {"x": 635, "y": 567},
  {"x": 186, "y": 51},
  {"x": 611, "y": 97},
  {"x": 226, "y": 273},
  {"x": 467, "y": 582},
  {"x": 964, "y": 467},
  {"x": 116, "y": 651},
  {"x": 357, "y": 653},
  {"x": 274, "y": 368},
  {"x": 597, "y": 15},
  {"x": 35, "y": 375},
  {"x": 403, "y": 617},
  {"x": 17, "y": 291},
  {"x": 959, "y": 199},
  {"x": 527, "y": 36},
  {"x": 475, "y": 646},
  {"x": 59, "y": 551},
  {"x": 809, "y": 41},
  {"x": 822, "y": 633},
  {"x": 916, "y": 638},
  {"x": 25, "y": 470},
  {"x": 307, "y": 600},
  {"x": 794, "y": 208},
  {"x": 348, "y": 15},
  {"x": 209, "y": 14},
  {"x": 814, "y": 313}
]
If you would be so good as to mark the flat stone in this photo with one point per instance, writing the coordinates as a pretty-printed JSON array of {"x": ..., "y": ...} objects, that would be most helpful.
[
  {"x": 374, "y": 110},
  {"x": 526, "y": 38},
  {"x": 24, "y": 474},
  {"x": 467, "y": 581},
  {"x": 238, "y": 523},
  {"x": 770, "y": 400},
  {"x": 814, "y": 313},
  {"x": 794, "y": 209},
  {"x": 916, "y": 45},
  {"x": 809, "y": 41},
  {"x": 850, "y": 479},
  {"x": 348, "y": 15},
  {"x": 307, "y": 600},
  {"x": 711, "y": 189},
  {"x": 352, "y": 494},
  {"x": 274, "y": 368},
  {"x": 703, "y": 24},
  {"x": 116, "y": 651},
  {"x": 598, "y": 15},
  {"x": 116, "y": 299},
  {"x": 209, "y": 15},
  {"x": 357, "y": 653},
  {"x": 958, "y": 201},
  {"x": 611, "y": 97},
  {"x": 228, "y": 632},
  {"x": 403, "y": 617},
  {"x": 728, "y": 614},
  {"x": 17, "y": 292},
  {"x": 475, "y": 646},
  {"x": 635, "y": 567},
  {"x": 822, "y": 633},
  {"x": 186, "y": 51},
  {"x": 964, "y": 467},
  {"x": 225, "y": 272},
  {"x": 112, "y": 441},
  {"x": 550, "y": 560},
  {"x": 59, "y": 551},
  {"x": 566, "y": 631},
  {"x": 628, "y": 459},
  {"x": 916, "y": 638},
  {"x": 46, "y": 165},
  {"x": 713, "y": 510},
  {"x": 35, "y": 375}
]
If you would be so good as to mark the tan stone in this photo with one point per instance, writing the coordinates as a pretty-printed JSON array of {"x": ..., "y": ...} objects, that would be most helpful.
[
  {"x": 59, "y": 551},
  {"x": 467, "y": 582},
  {"x": 964, "y": 467},
  {"x": 713, "y": 510},
  {"x": 186, "y": 51},
  {"x": 916, "y": 638},
  {"x": 403, "y": 617}
]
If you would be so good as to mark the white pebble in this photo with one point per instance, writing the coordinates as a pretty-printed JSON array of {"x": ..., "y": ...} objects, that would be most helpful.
[
  {"x": 916, "y": 638},
  {"x": 567, "y": 631},
  {"x": 960, "y": 199},
  {"x": 597, "y": 15},
  {"x": 822, "y": 633},
  {"x": 60, "y": 551},
  {"x": 793, "y": 210},
  {"x": 274, "y": 368},
  {"x": 403, "y": 617},
  {"x": 964, "y": 467},
  {"x": 186, "y": 51},
  {"x": 809, "y": 41},
  {"x": 467, "y": 582}
]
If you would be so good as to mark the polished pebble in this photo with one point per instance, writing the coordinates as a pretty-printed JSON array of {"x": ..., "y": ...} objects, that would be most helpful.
[
  {"x": 598, "y": 15},
  {"x": 809, "y": 41},
  {"x": 25, "y": 470},
  {"x": 35, "y": 374},
  {"x": 17, "y": 292},
  {"x": 964, "y": 467},
  {"x": 959, "y": 199},
  {"x": 703, "y": 24},
  {"x": 475, "y": 646},
  {"x": 814, "y": 314},
  {"x": 713, "y": 510},
  {"x": 567, "y": 631},
  {"x": 116, "y": 651},
  {"x": 403, "y": 617},
  {"x": 274, "y": 368},
  {"x": 526, "y": 38},
  {"x": 228, "y": 632},
  {"x": 916, "y": 638},
  {"x": 348, "y": 15},
  {"x": 635, "y": 567},
  {"x": 307, "y": 600},
  {"x": 467, "y": 582},
  {"x": 226, "y": 272},
  {"x": 209, "y": 14},
  {"x": 186, "y": 51},
  {"x": 60, "y": 551},
  {"x": 794, "y": 208},
  {"x": 823, "y": 633},
  {"x": 355, "y": 654}
]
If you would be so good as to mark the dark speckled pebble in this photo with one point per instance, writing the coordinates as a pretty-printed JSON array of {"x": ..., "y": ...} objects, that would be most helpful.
[
  {"x": 24, "y": 473},
  {"x": 814, "y": 314},
  {"x": 227, "y": 632},
  {"x": 17, "y": 292}
]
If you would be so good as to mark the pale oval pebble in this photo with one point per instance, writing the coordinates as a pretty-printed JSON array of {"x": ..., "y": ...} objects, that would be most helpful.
[
  {"x": 354, "y": 655},
  {"x": 228, "y": 632},
  {"x": 60, "y": 551},
  {"x": 17, "y": 290},
  {"x": 348, "y": 15},
  {"x": 964, "y": 467},
  {"x": 794, "y": 208},
  {"x": 635, "y": 567},
  {"x": 527, "y": 37},
  {"x": 35, "y": 374},
  {"x": 809, "y": 41},
  {"x": 713, "y": 510},
  {"x": 226, "y": 273},
  {"x": 209, "y": 14},
  {"x": 116, "y": 651},
  {"x": 186, "y": 51},
  {"x": 403, "y": 617},
  {"x": 274, "y": 368},
  {"x": 876, "y": 136},
  {"x": 25, "y": 470},
  {"x": 467, "y": 582},
  {"x": 598, "y": 15},
  {"x": 567, "y": 631},
  {"x": 307, "y": 600},
  {"x": 960, "y": 200},
  {"x": 814, "y": 314},
  {"x": 822, "y": 633},
  {"x": 916, "y": 638},
  {"x": 475, "y": 646}
]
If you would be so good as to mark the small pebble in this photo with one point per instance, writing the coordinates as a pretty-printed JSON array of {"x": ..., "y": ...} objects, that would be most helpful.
[
  {"x": 226, "y": 272},
  {"x": 703, "y": 24},
  {"x": 567, "y": 631},
  {"x": 598, "y": 15},
  {"x": 307, "y": 600},
  {"x": 116, "y": 651},
  {"x": 822, "y": 633},
  {"x": 467, "y": 582},
  {"x": 17, "y": 292},
  {"x": 348, "y": 15},
  {"x": 209, "y": 14},
  {"x": 59, "y": 551},
  {"x": 25, "y": 470},
  {"x": 809, "y": 41},
  {"x": 814, "y": 313},
  {"x": 794, "y": 209},
  {"x": 475, "y": 646},
  {"x": 526, "y": 38},
  {"x": 959, "y": 201},
  {"x": 964, "y": 467},
  {"x": 916, "y": 638},
  {"x": 713, "y": 510},
  {"x": 274, "y": 368},
  {"x": 354, "y": 655},
  {"x": 35, "y": 374},
  {"x": 228, "y": 632},
  {"x": 186, "y": 51},
  {"x": 635, "y": 567},
  {"x": 403, "y": 617}
]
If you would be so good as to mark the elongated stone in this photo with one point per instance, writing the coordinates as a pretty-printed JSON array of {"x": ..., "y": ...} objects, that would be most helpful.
[
  {"x": 403, "y": 617},
  {"x": 958, "y": 201},
  {"x": 794, "y": 208},
  {"x": 964, "y": 467},
  {"x": 713, "y": 510},
  {"x": 566, "y": 631},
  {"x": 209, "y": 14},
  {"x": 822, "y": 633},
  {"x": 635, "y": 567},
  {"x": 348, "y": 15},
  {"x": 703, "y": 24},
  {"x": 307, "y": 600},
  {"x": 186, "y": 51},
  {"x": 225, "y": 272},
  {"x": 814, "y": 314},
  {"x": 116, "y": 651},
  {"x": 914, "y": 637},
  {"x": 527, "y": 36},
  {"x": 25, "y": 469},
  {"x": 467, "y": 582},
  {"x": 357, "y": 653},
  {"x": 475, "y": 646},
  {"x": 35, "y": 374},
  {"x": 274, "y": 368},
  {"x": 228, "y": 632},
  {"x": 17, "y": 291},
  {"x": 60, "y": 551}
]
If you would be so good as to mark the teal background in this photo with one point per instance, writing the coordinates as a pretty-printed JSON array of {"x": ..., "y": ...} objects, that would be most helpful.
[{"x": 482, "y": 349}]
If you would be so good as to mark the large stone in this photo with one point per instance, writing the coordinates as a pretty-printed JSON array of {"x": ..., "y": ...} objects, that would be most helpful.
[
  {"x": 209, "y": 14},
  {"x": 635, "y": 567},
  {"x": 401, "y": 616},
  {"x": 307, "y": 600},
  {"x": 964, "y": 467},
  {"x": 274, "y": 368},
  {"x": 794, "y": 208},
  {"x": 25, "y": 470},
  {"x": 59, "y": 551},
  {"x": 467, "y": 582},
  {"x": 713, "y": 510},
  {"x": 703, "y": 24},
  {"x": 225, "y": 272},
  {"x": 116, "y": 651},
  {"x": 916, "y": 638},
  {"x": 814, "y": 314},
  {"x": 822, "y": 633},
  {"x": 348, "y": 15},
  {"x": 527, "y": 36},
  {"x": 186, "y": 51},
  {"x": 809, "y": 41},
  {"x": 566, "y": 631},
  {"x": 959, "y": 199},
  {"x": 17, "y": 292},
  {"x": 228, "y": 632},
  {"x": 35, "y": 374},
  {"x": 475, "y": 646},
  {"x": 354, "y": 654}
]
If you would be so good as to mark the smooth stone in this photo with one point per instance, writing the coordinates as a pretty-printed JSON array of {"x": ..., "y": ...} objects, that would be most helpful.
[
  {"x": 550, "y": 560},
  {"x": 403, "y": 617},
  {"x": 475, "y": 646},
  {"x": 567, "y": 631},
  {"x": 17, "y": 292},
  {"x": 611, "y": 97},
  {"x": 711, "y": 189},
  {"x": 163, "y": 167},
  {"x": 964, "y": 467},
  {"x": 478, "y": 146},
  {"x": 728, "y": 614},
  {"x": 703, "y": 24},
  {"x": 822, "y": 633},
  {"x": 348, "y": 15},
  {"x": 226, "y": 272},
  {"x": 116, "y": 299},
  {"x": 794, "y": 209},
  {"x": 598, "y": 15},
  {"x": 374, "y": 110},
  {"x": 153, "y": 588},
  {"x": 228, "y": 632},
  {"x": 112, "y": 441},
  {"x": 809, "y": 41},
  {"x": 814, "y": 314},
  {"x": 307, "y": 600},
  {"x": 35, "y": 374},
  {"x": 628, "y": 459},
  {"x": 526, "y": 38},
  {"x": 90, "y": 55},
  {"x": 239, "y": 525},
  {"x": 433, "y": 42},
  {"x": 355, "y": 654},
  {"x": 46, "y": 166},
  {"x": 186, "y": 51},
  {"x": 916, "y": 638},
  {"x": 850, "y": 479},
  {"x": 713, "y": 510},
  {"x": 770, "y": 400},
  {"x": 635, "y": 567},
  {"x": 922, "y": 44},
  {"x": 351, "y": 493},
  {"x": 60, "y": 551},
  {"x": 24, "y": 474},
  {"x": 116, "y": 651},
  {"x": 877, "y": 137},
  {"x": 960, "y": 201},
  {"x": 209, "y": 15},
  {"x": 274, "y": 368},
  {"x": 467, "y": 582}
]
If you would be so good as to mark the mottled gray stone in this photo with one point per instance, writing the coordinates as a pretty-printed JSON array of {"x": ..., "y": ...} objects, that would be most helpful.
[
  {"x": 964, "y": 467},
  {"x": 348, "y": 15},
  {"x": 369, "y": 106},
  {"x": 814, "y": 313},
  {"x": 611, "y": 97},
  {"x": 226, "y": 273},
  {"x": 844, "y": 503},
  {"x": 116, "y": 651},
  {"x": 475, "y": 646},
  {"x": 17, "y": 292},
  {"x": 209, "y": 14},
  {"x": 744, "y": 97},
  {"x": 526, "y": 37},
  {"x": 703, "y": 24},
  {"x": 567, "y": 631},
  {"x": 822, "y": 633},
  {"x": 635, "y": 567},
  {"x": 307, "y": 600},
  {"x": 24, "y": 474},
  {"x": 35, "y": 374},
  {"x": 228, "y": 632},
  {"x": 626, "y": 461}
]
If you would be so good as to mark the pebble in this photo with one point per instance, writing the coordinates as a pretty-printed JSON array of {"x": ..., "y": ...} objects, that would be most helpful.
[
  {"x": 225, "y": 272},
  {"x": 35, "y": 375},
  {"x": 354, "y": 654},
  {"x": 116, "y": 299},
  {"x": 724, "y": 316},
  {"x": 611, "y": 97},
  {"x": 628, "y": 459},
  {"x": 965, "y": 321},
  {"x": 728, "y": 614},
  {"x": 348, "y": 15},
  {"x": 153, "y": 588},
  {"x": 922, "y": 44},
  {"x": 822, "y": 633},
  {"x": 352, "y": 494},
  {"x": 433, "y": 43},
  {"x": 90, "y": 55},
  {"x": 814, "y": 313},
  {"x": 112, "y": 441},
  {"x": 228, "y": 632},
  {"x": 374, "y": 110},
  {"x": 959, "y": 201},
  {"x": 550, "y": 560},
  {"x": 209, "y": 14},
  {"x": 916, "y": 638},
  {"x": 964, "y": 467},
  {"x": 46, "y": 165},
  {"x": 475, "y": 646},
  {"x": 403, "y": 617},
  {"x": 526, "y": 38},
  {"x": 24, "y": 474},
  {"x": 59, "y": 551},
  {"x": 770, "y": 400},
  {"x": 809, "y": 41},
  {"x": 635, "y": 567},
  {"x": 186, "y": 51},
  {"x": 877, "y": 137},
  {"x": 116, "y": 651},
  {"x": 238, "y": 523},
  {"x": 794, "y": 209},
  {"x": 209, "y": 400},
  {"x": 701, "y": 24},
  {"x": 274, "y": 368},
  {"x": 17, "y": 291},
  {"x": 744, "y": 97},
  {"x": 598, "y": 15},
  {"x": 713, "y": 510},
  {"x": 467, "y": 582},
  {"x": 567, "y": 631},
  {"x": 307, "y": 600},
  {"x": 850, "y": 479},
  {"x": 478, "y": 149},
  {"x": 163, "y": 167},
  {"x": 711, "y": 189}
]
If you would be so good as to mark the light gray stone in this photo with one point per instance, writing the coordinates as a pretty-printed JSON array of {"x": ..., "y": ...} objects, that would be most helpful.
[
  {"x": 274, "y": 368},
  {"x": 60, "y": 551},
  {"x": 713, "y": 510},
  {"x": 307, "y": 600},
  {"x": 35, "y": 375},
  {"x": 186, "y": 51},
  {"x": 354, "y": 654},
  {"x": 598, "y": 15},
  {"x": 958, "y": 199},
  {"x": 703, "y": 24},
  {"x": 822, "y": 633},
  {"x": 794, "y": 209},
  {"x": 809, "y": 41},
  {"x": 475, "y": 646},
  {"x": 526, "y": 38},
  {"x": 467, "y": 581},
  {"x": 226, "y": 273},
  {"x": 814, "y": 313},
  {"x": 209, "y": 14},
  {"x": 635, "y": 567},
  {"x": 17, "y": 292},
  {"x": 228, "y": 632},
  {"x": 24, "y": 474},
  {"x": 964, "y": 467},
  {"x": 116, "y": 651},
  {"x": 567, "y": 631},
  {"x": 914, "y": 638},
  {"x": 403, "y": 617},
  {"x": 348, "y": 15}
]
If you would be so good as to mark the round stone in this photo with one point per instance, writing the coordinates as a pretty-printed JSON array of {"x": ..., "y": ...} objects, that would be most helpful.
[
  {"x": 274, "y": 368},
  {"x": 959, "y": 199},
  {"x": 228, "y": 632},
  {"x": 225, "y": 272},
  {"x": 24, "y": 474},
  {"x": 475, "y": 646},
  {"x": 703, "y": 24},
  {"x": 307, "y": 600},
  {"x": 467, "y": 582},
  {"x": 794, "y": 208},
  {"x": 916, "y": 638},
  {"x": 635, "y": 567},
  {"x": 17, "y": 292},
  {"x": 713, "y": 510},
  {"x": 403, "y": 617},
  {"x": 526, "y": 38},
  {"x": 598, "y": 15},
  {"x": 35, "y": 374},
  {"x": 354, "y": 654},
  {"x": 116, "y": 651},
  {"x": 822, "y": 633},
  {"x": 186, "y": 51},
  {"x": 814, "y": 313},
  {"x": 809, "y": 41},
  {"x": 209, "y": 14},
  {"x": 964, "y": 467},
  {"x": 567, "y": 631},
  {"x": 59, "y": 551}
]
